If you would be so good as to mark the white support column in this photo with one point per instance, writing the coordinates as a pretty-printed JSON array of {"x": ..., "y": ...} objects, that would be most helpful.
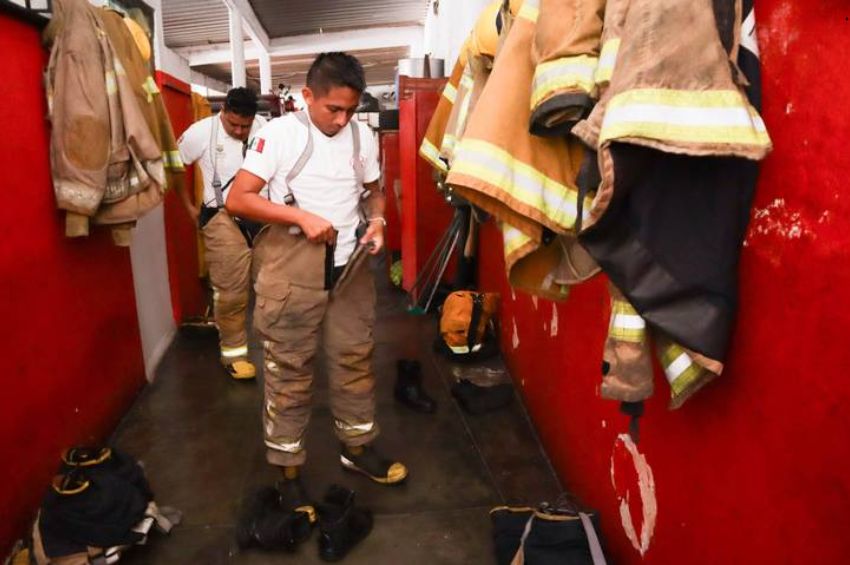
[
  {"x": 265, "y": 70},
  {"x": 237, "y": 48}
]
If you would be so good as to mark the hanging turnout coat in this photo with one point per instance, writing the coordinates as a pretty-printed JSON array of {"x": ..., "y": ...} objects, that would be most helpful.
[
  {"x": 678, "y": 135},
  {"x": 525, "y": 181}
]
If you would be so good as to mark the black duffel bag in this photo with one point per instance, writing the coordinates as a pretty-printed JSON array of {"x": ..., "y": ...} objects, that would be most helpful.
[{"x": 548, "y": 535}]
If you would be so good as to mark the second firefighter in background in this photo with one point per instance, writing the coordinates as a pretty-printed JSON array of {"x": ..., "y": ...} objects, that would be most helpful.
[{"x": 218, "y": 144}]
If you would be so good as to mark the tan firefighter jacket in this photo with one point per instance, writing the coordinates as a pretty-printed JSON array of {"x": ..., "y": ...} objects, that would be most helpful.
[
  {"x": 674, "y": 129},
  {"x": 107, "y": 161},
  {"x": 526, "y": 182}
]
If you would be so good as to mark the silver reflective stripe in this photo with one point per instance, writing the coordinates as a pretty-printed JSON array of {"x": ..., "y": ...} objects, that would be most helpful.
[
  {"x": 294, "y": 447},
  {"x": 464, "y": 348},
  {"x": 678, "y": 366},
  {"x": 364, "y": 428},
  {"x": 234, "y": 351}
]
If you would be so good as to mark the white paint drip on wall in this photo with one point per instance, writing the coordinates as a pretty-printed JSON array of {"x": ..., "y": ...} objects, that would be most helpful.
[
  {"x": 649, "y": 504},
  {"x": 554, "y": 329},
  {"x": 515, "y": 337}
]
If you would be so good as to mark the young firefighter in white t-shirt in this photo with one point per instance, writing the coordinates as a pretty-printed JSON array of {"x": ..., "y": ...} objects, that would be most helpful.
[
  {"x": 314, "y": 282},
  {"x": 217, "y": 143}
]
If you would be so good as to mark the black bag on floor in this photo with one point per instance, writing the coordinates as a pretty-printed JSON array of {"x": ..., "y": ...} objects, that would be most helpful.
[
  {"x": 99, "y": 504},
  {"x": 546, "y": 536}
]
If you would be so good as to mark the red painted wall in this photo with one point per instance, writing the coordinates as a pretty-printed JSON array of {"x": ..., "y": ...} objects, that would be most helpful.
[
  {"x": 187, "y": 293},
  {"x": 754, "y": 469},
  {"x": 71, "y": 346},
  {"x": 391, "y": 177},
  {"x": 426, "y": 213}
]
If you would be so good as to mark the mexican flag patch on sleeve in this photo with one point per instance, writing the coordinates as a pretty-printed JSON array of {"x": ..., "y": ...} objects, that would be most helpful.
[{"x": 257, "y": 144}]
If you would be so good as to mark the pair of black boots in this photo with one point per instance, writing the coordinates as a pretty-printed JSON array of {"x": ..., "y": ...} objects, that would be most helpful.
[
  {"x": 283, "y": 518},
  {"x": 408, "y": 387}
]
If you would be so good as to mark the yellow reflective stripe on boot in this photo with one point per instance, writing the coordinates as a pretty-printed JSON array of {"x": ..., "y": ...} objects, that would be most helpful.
[
  {"x": 497, "y": 167},
  {"x": 607, "y": 61},
  {"x": 711, "y": 116},
  {"x": 231, "y": 352},
  {"x": 679, "y": 367},
  {"x": 430, "y": 153},
  {"x": 566, "y": 73},
  {"x": 626, "y": 324}
]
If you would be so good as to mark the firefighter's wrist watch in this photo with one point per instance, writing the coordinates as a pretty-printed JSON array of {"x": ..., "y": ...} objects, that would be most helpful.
[{"x": 379, "y": 219}]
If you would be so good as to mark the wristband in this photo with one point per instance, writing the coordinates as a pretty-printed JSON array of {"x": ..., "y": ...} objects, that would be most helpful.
[{"x": 378, "y": 219}]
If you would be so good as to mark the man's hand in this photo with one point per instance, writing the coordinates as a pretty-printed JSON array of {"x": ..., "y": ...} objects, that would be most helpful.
[
  {"x": 194, "y": 213},
  {"x": 374, "y": 237},
  {"x": 316, "y": 229}
]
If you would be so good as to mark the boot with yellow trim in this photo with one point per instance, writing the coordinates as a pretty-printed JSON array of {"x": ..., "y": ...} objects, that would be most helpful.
[
  {"x": 293, "y": 499},
  {"x": 241, "y": 370},
  {"x": 365, "y": 460}
]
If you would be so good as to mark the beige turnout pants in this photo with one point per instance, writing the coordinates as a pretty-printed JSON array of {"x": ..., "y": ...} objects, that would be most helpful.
[
  {"x": 293, "y": 314},
  {"x": 229, "y": 259}
]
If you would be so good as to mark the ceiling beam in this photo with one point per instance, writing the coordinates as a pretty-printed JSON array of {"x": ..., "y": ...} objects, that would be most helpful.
[
  {"x": 255, "y": 28},
  {"x": 363, "y": 39}
]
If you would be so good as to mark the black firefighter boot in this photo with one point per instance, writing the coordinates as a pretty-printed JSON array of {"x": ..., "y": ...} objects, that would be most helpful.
[
  {"x": 408, "y": 387},
  {"x": 341, "y": 524}
]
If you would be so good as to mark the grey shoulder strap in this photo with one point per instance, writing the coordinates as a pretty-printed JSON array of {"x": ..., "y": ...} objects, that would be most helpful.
[
  {"x": 304, "y": 157},
  {"x": 358, "y": 164}
]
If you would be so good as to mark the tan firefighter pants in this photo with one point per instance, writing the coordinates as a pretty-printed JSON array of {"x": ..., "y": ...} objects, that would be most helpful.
[
  {"x": 229, "y": 260},
  {"x": 293, "y": 314}
]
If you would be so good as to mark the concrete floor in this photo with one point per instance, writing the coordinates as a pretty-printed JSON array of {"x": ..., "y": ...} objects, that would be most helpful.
[{"x": 198, "y": 434}]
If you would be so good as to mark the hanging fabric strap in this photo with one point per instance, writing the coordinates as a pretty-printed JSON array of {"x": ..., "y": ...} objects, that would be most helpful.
[
  {"x": 596, "y": 552},
  {"x": 477, "y": 310}
]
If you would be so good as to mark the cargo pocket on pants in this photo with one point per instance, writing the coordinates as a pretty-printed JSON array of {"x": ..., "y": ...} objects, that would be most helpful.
[{"x": 271, "y": 302}]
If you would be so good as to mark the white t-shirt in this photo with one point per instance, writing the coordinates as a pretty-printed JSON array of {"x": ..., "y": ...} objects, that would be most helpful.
[
  {"x": 226, "y": 158},
  {"x": 327, "y": 185}
]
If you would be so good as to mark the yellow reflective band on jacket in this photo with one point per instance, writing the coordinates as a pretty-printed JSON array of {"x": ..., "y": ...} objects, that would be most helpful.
[
  {"x": 231, "y": 352},
  {"x": 450, "y": 92},
  {"x": 449, "y": 142},
  {"x": 567, "y": 73},
  {"x": 680, "y": 369},
  {"x": 497, "y": 167},
  {"x": 172, "y": 160},
  {"x": 530, "y": 10},
  {"x": 150, "y": 88},
  {"x": 431, "y": 154},
  {"x": 513, "y": 239},
  {"x": 711, "y": 116},
  {"x": 607, "y": 61},
  {"x": 626, "y": 324}
]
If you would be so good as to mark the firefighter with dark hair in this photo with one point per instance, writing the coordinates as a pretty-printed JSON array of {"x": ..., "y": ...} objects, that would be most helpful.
[
  {"x": 217, "y": 145},
  {"x": 325, "y": 212}
]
